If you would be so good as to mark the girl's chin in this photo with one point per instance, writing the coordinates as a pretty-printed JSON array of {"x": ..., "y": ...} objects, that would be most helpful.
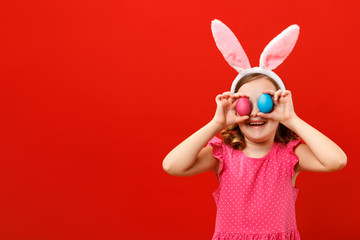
[
  {"x": 258, "y": 133},
  {"x": 257, "y": 138}
]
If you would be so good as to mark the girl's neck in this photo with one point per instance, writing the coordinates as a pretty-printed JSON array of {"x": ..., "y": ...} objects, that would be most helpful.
[{"x": 257, "y": 149}]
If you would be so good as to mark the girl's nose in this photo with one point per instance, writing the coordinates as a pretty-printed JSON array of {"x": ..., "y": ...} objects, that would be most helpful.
[{"x": 254, "y": 109}]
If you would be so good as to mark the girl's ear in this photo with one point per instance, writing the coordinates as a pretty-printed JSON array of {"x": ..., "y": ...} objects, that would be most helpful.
[
  {"x": 279, "y": 48},
  {"x": 229, "y": 46}
]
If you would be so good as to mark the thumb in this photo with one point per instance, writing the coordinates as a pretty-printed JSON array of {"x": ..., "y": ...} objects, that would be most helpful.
[
  {"x": 261, "y": 114},
  {"x": 242, "y": 118},
  {"x": 265, "y": 115}
]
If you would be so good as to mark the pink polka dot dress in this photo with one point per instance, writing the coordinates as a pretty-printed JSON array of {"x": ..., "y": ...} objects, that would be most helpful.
[{"x": 255, "y": 198}]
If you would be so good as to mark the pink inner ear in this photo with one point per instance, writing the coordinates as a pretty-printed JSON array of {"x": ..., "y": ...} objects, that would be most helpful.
[
  {"x": 229, "y": 46},
  {"x": 279, "y": 48}
]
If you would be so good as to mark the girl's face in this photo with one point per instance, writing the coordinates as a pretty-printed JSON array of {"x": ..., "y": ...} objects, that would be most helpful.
[{"x": 263, "y": 132}]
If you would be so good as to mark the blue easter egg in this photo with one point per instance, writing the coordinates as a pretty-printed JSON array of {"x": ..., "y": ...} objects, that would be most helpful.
[{"x": 265, "y": 103}]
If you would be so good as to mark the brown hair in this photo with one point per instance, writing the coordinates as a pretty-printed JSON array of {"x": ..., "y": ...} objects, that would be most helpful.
[{"x": 233, "y": 136}]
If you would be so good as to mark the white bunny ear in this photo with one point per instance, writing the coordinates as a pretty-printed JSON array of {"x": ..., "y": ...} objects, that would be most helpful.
[
  {"x": 229, "y": 46},
  {"x": 279, "y": 48}
]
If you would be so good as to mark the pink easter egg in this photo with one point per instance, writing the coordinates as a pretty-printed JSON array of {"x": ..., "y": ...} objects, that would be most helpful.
[{"x": 243, "y": 106}]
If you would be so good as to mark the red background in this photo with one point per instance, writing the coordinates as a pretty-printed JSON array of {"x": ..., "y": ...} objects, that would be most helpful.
[{"x": 94, "y": 94}]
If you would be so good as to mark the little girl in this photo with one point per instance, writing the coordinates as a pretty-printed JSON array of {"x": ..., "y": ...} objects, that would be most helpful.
[{"x": 258, "y": 156}]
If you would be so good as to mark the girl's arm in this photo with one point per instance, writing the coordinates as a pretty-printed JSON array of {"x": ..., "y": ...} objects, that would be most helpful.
[
  {"x": 318, "y": 148},
  {"x": 188, "y": 158},
  {"x": 319, "y": 154},
  {"x": 184, "y": 156}
]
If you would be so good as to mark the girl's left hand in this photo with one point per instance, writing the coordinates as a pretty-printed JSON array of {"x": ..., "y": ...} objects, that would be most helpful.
[{"x": 283, "y": 108}]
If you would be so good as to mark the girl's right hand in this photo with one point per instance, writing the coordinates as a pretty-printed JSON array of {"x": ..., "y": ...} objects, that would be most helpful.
[{"x": 226, "y": 114}]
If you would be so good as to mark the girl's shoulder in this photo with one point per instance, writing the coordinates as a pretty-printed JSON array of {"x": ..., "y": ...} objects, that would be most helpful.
[
  {"x": 288, "y": 156},
  {"x": 219, "y": 145},
  {"x": 290, "y": 145},
  {"x": 215, "y": 141},
  {"x": 220, "y": 152}
]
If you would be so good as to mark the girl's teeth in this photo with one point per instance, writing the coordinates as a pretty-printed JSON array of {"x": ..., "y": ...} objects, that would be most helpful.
[{"x": 256, "y": 124}]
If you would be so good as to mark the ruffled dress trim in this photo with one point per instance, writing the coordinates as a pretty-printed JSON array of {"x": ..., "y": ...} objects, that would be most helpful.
[
  {"x": 290, "y": 235},
  {"x": 291, "y": 145},
  {"x": 218, "y": 152}
]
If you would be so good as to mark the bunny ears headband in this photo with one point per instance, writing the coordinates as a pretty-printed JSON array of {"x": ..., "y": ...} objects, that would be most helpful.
[{"x": 272, "y": 56}]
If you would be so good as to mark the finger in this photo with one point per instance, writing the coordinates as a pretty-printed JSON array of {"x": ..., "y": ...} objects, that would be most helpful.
[
  {"x": 239, "y": 94},
  {"x": 235, "y": 100},
  {"x": 233, "y": 96},
  {"x": 271, "y": 92},
  {"x": 242, "y": 118},
  {"x": 261, "y": 114},
  {"x": 233, "y": 105},
  {"x": 264, "y": 115},
  {"x": 287, "y": 93},
  {"x": 277, "y": 94},
  {"x": 227, "y": 94},
  {"x": 271, "y": 115},
  {"x": 222, "y": 98}
]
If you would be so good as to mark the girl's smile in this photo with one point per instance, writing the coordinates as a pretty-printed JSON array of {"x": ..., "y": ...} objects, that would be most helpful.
[{"x": 256, "y": 123}]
